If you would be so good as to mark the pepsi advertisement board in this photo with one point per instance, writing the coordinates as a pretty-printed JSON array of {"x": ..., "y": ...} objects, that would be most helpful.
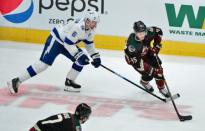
[
  {"x": 42, "y": 14},
  {"x": 180, "y": 20}
]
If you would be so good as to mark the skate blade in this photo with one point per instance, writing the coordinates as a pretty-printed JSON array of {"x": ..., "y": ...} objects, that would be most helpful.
[
  {"x": 71, "y": 89},
  {"x": 11, "y": 90},
  {"x": 175, "y": 96}
]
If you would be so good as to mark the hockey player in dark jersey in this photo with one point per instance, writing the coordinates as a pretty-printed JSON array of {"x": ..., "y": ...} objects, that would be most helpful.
[
  {"x": 141, "y": 55},
  {"x": 65, "y": 121}
]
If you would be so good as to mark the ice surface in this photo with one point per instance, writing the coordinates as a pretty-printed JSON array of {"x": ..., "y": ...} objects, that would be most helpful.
[{"x": 117, "y": 105}]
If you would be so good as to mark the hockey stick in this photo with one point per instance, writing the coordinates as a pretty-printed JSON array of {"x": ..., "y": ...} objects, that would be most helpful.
[
  {"x": 162, "y": 99},
  {"x": 181, "y": 118}
]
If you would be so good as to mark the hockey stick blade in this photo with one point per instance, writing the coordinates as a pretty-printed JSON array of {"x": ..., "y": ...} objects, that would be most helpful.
[
  {"x": 175, "y": 96},
  {"x": 185, "y": 118}
]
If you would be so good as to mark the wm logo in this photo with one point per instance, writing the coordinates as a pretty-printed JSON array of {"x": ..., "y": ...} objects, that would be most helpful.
[{"x": 186, "y": 11}]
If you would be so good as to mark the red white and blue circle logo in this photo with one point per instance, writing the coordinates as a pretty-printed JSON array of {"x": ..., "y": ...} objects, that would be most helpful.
[{"x": 7, "y": 8}]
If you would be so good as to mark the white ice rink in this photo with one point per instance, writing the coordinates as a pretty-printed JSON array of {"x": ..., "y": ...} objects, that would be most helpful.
[{"x": 117, "y": 105}]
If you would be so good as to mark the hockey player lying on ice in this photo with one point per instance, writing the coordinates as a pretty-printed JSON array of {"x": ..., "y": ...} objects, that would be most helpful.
[
  {"x": 141, "y": 55},
  {"x": 63, "y": 40},
  {"x": 65, "y": 121}
]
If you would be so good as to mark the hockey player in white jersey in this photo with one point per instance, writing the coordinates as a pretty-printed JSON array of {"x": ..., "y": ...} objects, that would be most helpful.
[{"x": 63, "y": 40}]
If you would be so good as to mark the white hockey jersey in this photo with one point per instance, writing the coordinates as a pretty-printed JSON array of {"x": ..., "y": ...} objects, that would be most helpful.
[{"x": 71, "y": 34}]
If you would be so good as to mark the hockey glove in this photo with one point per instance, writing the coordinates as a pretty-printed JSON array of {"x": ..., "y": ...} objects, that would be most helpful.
[
  {"x": 81, "y": 58},
  {"x": 96, "y": 60},
  {"x": 156, "y": 49}
]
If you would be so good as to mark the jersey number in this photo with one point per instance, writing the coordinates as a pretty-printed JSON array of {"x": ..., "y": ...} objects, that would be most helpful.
[
  {"x": 133, "y": 59},
  {"x": 59, "y": 119}
]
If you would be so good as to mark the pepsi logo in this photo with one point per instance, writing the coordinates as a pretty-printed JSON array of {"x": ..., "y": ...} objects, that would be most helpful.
[{"x": 8, "y": 7}]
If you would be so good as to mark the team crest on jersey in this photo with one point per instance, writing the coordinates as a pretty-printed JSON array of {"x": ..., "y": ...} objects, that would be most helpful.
[
  {"x": 74, "y": 34},
  {"x": 131, "y": 48}
]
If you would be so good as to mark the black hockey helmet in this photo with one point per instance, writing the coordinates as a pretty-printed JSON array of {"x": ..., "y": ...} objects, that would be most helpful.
[
  {"x": 83, "y": 110},
  {"x": 139, "y": 26}
]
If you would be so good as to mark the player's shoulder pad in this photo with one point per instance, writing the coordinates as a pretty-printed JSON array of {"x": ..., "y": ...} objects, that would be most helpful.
[
  {"x": 79, "y": 27},
  {"x": 130, "y": 37},
  {"x": 155, "y": 30},
  {"x": 132, "y": 34}
]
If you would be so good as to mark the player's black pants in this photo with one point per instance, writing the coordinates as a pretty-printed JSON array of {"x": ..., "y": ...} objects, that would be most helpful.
[{"x": 152, "y": 61}]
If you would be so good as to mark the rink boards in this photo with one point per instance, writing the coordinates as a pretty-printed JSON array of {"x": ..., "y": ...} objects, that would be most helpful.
[
  {"x": 103, "y": 41},
  {"x": 182, "y": 22}
]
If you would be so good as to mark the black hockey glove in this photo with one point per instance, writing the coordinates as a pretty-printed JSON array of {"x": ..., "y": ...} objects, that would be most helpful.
[
  {"x": 82, "y": 58},
  {"x": 96, "y": 60}
]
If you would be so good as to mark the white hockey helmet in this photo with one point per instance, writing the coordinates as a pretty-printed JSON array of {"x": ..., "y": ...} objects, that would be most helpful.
[{"x": 92, "y": 16}]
